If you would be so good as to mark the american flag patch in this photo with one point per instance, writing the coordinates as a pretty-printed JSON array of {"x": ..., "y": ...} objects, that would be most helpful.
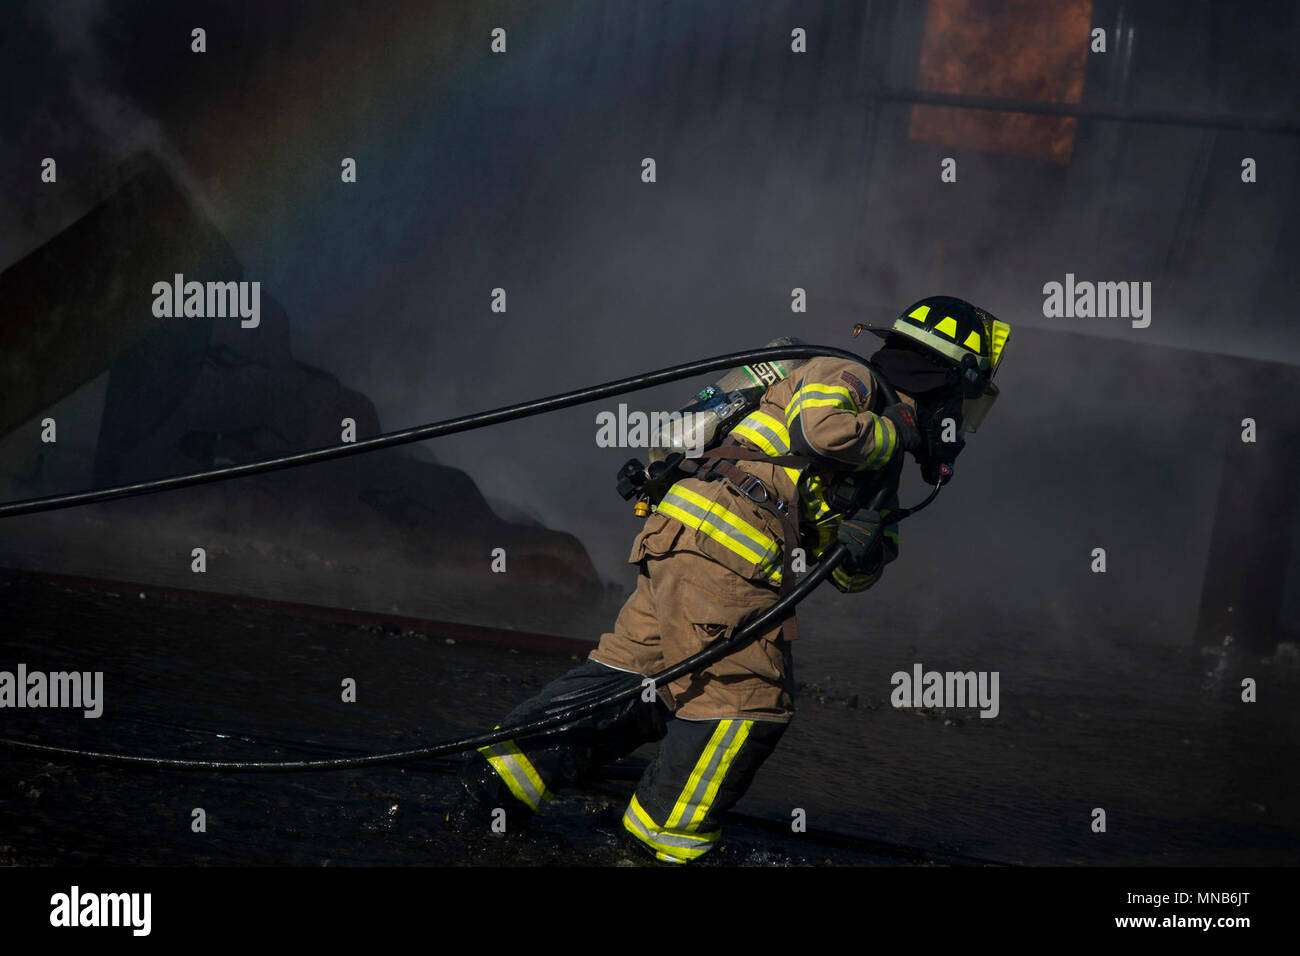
[{"x": 855, "y": 383}]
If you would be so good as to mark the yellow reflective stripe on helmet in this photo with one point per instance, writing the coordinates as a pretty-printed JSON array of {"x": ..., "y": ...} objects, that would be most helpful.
[
  {"x": 672, "y": 846},
  {"x": 927, "y": 338},
  {"x": 518, "y": 773},
  {"x": 948, "y": 326},
  {"x": 919, "y": 313},
  {"x": 1001, "y": 332},
  {"x": 972, "y": 342},
  {"x": 729, "y": 530}
]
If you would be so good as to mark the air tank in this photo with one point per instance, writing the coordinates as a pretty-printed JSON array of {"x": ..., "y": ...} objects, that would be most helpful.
[{"x": 716, "y": 408}]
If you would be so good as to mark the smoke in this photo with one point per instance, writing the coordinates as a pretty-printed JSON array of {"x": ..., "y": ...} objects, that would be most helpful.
[
  {"x": 60, "y": 105},
  {"x": 774, "y": 171}
]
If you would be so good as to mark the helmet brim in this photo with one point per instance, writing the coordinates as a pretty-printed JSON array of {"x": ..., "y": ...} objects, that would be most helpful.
[
  {"x": 882, "y": 331},
  {"x": 867, "y": 327}
]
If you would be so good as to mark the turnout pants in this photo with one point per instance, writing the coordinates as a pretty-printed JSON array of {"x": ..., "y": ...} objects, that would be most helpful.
[{"x": 715, "y": 727}]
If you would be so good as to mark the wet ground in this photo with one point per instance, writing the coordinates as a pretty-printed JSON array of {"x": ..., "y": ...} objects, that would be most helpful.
[
  {"x": 188, "y": 678},
  {"x": 1152, "y": 732}
]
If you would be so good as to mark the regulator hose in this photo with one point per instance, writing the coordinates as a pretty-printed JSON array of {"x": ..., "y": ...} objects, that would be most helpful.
[{"x": 551, "y": 723}]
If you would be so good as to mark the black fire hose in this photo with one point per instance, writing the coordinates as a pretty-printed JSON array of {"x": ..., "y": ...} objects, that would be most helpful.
[
  {"x": 450, "y": 427},
  {"x": 578, "y": 708},
  {"x": 743, "y": 636},
  {"x": 538, "y": 727},
  {"x": 711, "y": 653}
]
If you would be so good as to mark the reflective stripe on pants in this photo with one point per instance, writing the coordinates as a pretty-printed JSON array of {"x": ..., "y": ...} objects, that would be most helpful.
[
  {"x": 702, "y": 769},
  {"x": 518, "y": 773},
  {"x": 670, "y": 846}
]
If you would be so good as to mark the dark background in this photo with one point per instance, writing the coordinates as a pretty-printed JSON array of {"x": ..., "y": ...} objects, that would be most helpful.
[{"x": 775, "y": 170}]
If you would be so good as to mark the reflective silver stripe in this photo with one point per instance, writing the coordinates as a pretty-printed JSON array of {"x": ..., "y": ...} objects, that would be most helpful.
[
  {"x": 779, "y": 440},
  {"x": 508, "y": 766},
  {"x": 883, "y": 439},
  {"x": 657, "y": 837},
  {"x": 686, "y": 807},
  {"x": 513, "y": 772},
  {"x": 756, "y": 550},
  {"x": 819, "y": 396}
]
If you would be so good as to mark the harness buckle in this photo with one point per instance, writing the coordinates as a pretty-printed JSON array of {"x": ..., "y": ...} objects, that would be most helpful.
[
  {"x": 751, "y": 484},
  {"x": 747, "y": 487}
]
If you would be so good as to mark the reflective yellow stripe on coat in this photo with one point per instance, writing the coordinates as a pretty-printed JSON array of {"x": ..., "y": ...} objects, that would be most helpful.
[
  {"x": 770, "y": 436},
  {"x": 815, "y": 395},
  {"x": 728, "y": 529}
]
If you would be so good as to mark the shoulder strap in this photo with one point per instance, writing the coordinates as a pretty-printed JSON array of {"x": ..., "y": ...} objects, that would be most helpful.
[{"x": 737, "y": 452}]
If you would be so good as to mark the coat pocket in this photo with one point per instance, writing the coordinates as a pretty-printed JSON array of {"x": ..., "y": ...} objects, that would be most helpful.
[
  {"x": 657, "y": 537},
  {"x": 740, "y": 535}
]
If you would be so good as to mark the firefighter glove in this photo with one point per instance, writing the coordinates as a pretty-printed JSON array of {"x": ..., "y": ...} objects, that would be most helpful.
[{"x": 903, "y": 418}]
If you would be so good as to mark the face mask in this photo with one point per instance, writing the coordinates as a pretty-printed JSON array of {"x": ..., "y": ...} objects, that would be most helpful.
[{"x": 911, "y": 372}]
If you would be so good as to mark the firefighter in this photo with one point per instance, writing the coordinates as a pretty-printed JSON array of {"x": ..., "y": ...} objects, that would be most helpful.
[{"x": 713, "y": 555}]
